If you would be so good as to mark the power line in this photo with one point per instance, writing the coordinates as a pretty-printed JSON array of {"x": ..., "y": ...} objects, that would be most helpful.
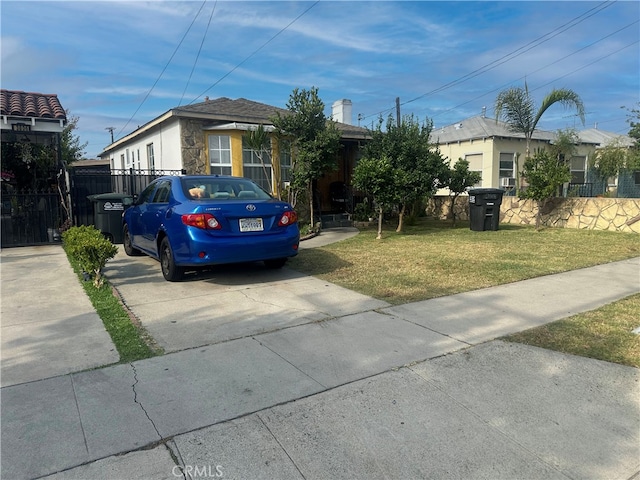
[
  {"x": 514, "y": 54},
  {"x": 199, "y": 50},
  {"x": 164, "y": 69},
  {"x": 547, "y": 66},
  {"x": 588, "y": 64},
  {"x": 254, "y": 52}
]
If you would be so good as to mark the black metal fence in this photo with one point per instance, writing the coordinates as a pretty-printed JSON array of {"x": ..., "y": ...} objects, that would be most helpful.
[
  {"x": 35, "y": 217},
  {"x": 580, "y": 190},
  {"x": 31, "y": 218},
  {"x": 87, "y": 181}
]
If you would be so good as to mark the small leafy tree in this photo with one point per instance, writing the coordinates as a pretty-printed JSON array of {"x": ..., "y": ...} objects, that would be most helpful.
[
  {"x": 459, "y": 180},
  {"x": 377, "y": 178},
  {"x": 633, "y": 159},
  {"x": 315, "y": 141},
  {"x": 609, "y": 161},
  {"x": 544, "y": 174},
  {"x": 71, "y": 148},
  {"x": 419, "y": 168},
  {"x": 564, "y": 148}
]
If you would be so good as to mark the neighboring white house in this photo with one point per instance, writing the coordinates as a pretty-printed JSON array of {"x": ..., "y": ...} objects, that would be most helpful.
[{"x": 493, "y": 150}]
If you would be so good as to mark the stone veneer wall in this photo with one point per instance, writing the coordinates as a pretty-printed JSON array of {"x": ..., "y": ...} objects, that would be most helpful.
[
  {"x": 618, "y": 214},
  {"x": 194, "y": 159}
]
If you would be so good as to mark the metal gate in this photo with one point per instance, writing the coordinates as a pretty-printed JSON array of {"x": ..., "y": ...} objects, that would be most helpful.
[
  {"x": 31, "y": 218},
  {"x": 91, "y": 181},
  {"x": 36, "y": 217}
]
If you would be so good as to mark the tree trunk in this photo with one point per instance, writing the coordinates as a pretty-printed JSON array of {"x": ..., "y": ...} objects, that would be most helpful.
[
  {"x": 453, "y": 210},
  {"x": 311, "y": 204},
  {"x": 539, "y": 214},
  {"x": 400, "y": 219},
  {"x": 518, "y": 177},
  {"x": 380, "y": 214}
]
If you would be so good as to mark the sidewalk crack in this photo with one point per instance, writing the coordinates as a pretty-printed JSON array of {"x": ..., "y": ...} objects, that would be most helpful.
[
  {"x": 135, "y": 400},
  {"x": 293, "y": 462},
  {"x": 75, "y": 398}
]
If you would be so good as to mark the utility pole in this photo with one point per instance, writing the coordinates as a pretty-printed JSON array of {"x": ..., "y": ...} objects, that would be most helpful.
[
  {"x": 111, "y": 129},
  {"x": 398, "y": 110}
]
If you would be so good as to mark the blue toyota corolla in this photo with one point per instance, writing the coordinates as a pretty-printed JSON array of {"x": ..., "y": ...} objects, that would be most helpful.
[{"x": 196, "y": 221}]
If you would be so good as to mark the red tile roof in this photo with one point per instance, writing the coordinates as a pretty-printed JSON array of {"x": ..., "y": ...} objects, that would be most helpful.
[{"x": 25, "y": 104}]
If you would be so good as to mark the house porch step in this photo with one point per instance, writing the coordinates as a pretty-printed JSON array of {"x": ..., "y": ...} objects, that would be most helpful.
[{"x": 335, "y": 220}]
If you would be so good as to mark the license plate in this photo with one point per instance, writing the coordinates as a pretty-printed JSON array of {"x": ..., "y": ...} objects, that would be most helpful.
[{"x": 251, "y": 225}]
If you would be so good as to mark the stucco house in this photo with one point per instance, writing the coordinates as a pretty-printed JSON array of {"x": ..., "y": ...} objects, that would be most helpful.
[
  {"x": 209, "y": 138},
  {"x": 493, "y": 150}
]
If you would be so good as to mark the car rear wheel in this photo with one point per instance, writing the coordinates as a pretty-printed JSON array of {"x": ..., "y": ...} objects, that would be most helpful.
[
  {"x": 275, "y": 263},
  {"x": 170, "y": 271},
  {"x": 129, "y": 249}
]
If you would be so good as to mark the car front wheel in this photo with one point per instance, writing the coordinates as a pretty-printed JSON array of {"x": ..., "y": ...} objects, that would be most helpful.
[{"x": 170, "y": 271}]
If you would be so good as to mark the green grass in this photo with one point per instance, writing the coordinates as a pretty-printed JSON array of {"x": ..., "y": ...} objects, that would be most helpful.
[
  {"x": 432, "y": 259},
  {"x": 131, "y": 340},
  {"x": 604, "y": 333}
]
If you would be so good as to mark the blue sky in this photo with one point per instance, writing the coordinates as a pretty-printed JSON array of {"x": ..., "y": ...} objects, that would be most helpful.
[{"x": 120, "y": 64}]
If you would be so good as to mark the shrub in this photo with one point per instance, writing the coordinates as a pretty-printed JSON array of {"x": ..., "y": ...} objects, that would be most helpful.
[{"x": 90, "y": 249}]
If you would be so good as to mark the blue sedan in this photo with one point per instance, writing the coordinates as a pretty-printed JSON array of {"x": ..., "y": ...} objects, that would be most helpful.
[{"x": 196, "y": 221}]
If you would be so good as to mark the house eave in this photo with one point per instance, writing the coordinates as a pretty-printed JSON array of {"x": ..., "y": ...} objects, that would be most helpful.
[
  {"x": 140, "y": 130},
  {"x": 239, "y": 126}
]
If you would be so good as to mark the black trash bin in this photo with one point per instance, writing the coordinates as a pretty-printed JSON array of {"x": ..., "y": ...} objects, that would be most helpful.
[
  {"x": 107, "y": 213},
  {"x": 484, "y": 208}
]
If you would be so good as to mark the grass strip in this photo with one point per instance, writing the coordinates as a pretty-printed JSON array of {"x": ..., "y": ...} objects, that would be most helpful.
[
  {"x": 603, "y": 334},
  {"x": 131, "y": 340}
]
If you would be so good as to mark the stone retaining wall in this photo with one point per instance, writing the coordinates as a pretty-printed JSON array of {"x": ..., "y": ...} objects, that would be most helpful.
[{"x": 617, "y": 214}]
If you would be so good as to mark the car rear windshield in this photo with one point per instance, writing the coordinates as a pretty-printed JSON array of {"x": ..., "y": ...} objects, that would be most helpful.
[{"x": 204, "y": 188}]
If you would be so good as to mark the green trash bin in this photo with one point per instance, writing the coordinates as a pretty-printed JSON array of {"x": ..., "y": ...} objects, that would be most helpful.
[
  {"x": 484, "y": 208},
  {"x": 107, "y": 213}
]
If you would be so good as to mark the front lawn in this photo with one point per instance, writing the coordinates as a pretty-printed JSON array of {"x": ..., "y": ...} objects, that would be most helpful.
[
  {"x": 432, "y": 259},
  {"x": 604, "y": 333}
]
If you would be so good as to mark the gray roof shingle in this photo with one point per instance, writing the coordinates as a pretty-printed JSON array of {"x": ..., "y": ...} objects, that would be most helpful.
[
  {"x": 480, "y": 127},
  {"x": 248, "y": 111},
  {"x": 603, "y": 138}
]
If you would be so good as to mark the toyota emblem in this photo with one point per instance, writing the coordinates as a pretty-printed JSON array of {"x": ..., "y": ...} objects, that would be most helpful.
[{"x": 251, "y": 207}]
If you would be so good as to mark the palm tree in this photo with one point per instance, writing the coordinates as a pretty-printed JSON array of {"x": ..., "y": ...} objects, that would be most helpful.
[{"x": 516, "y": 108}]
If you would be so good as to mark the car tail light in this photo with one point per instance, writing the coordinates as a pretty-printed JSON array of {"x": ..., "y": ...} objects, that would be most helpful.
[
  {"x": 201, "y": 220},
  {"x": 289, "y": 217}
]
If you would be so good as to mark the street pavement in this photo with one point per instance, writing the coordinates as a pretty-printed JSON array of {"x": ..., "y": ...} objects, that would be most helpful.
[{"x": 274, "y": 375}]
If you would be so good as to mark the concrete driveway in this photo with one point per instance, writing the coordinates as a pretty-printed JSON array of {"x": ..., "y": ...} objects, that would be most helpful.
[{"x": 227, "y": 302}]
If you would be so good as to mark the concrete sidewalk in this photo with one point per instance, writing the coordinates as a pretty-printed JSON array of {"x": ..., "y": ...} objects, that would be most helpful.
[
  {"x": 412, "y": 391},
  {"x": 47, "y": 323}
]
